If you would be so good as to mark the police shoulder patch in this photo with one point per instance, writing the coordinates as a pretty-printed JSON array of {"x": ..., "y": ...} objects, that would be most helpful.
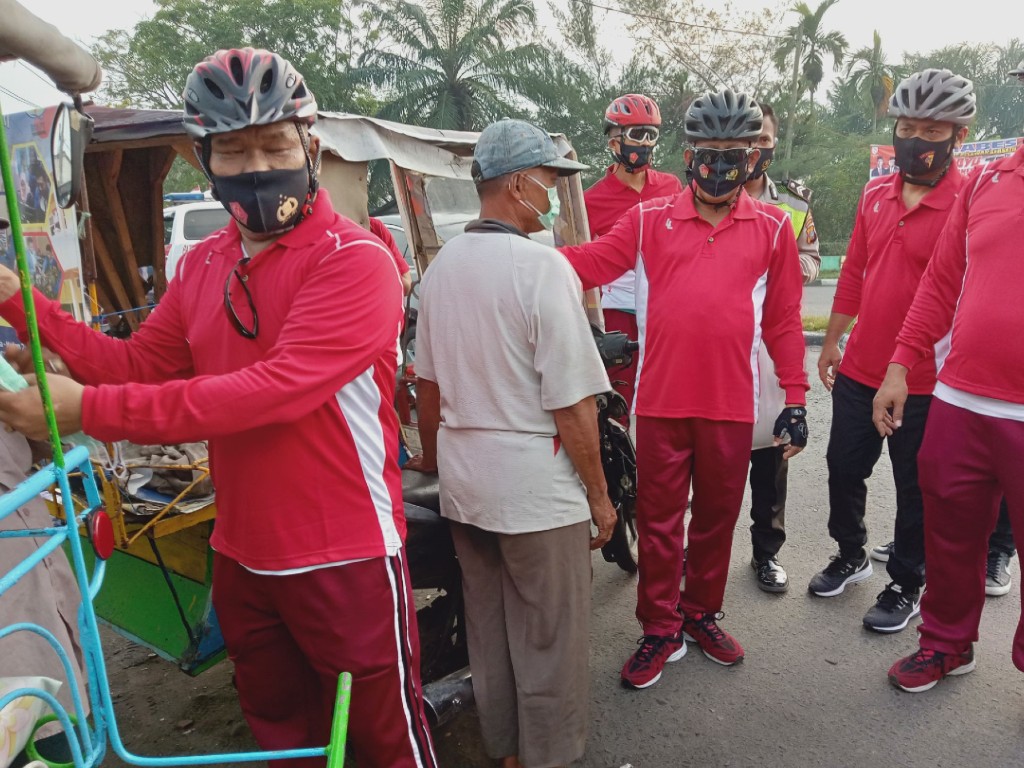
[{"x": 797, "y": 188}]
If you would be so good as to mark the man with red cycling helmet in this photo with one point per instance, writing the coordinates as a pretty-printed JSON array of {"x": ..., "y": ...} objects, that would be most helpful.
[{"x": 632, "y": 124}]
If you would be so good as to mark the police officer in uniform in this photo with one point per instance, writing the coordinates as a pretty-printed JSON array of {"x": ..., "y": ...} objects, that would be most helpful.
[{"x": 768, "y": 468}]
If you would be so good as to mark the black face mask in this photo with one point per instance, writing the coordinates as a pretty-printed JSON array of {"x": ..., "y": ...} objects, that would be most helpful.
[
  {"x": 717, "y": 172},
  {"x": 917, "y": 157},
  {"x": 265, "y": 201},
  {"x": 767, "y": 153},
  {"x": 633, "y": 157}
]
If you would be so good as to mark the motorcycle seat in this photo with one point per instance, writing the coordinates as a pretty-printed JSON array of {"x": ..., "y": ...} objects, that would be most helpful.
[{"x": 421, "y": 490}]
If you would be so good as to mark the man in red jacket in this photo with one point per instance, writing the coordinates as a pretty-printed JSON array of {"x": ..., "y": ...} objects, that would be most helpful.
[
  {"x": 715, "y": 271},
  {"x": 974, "y": 441},
  {"x": 632, "y": 124},
  {"x": 898, "y": 222},
  {"x": 276, "y": 342}
]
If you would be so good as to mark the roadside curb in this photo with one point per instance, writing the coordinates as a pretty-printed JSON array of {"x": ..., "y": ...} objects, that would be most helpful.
[{"x": 814, "y": 338}]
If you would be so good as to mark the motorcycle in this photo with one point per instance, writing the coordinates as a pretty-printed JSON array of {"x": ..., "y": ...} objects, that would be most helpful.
[{"x": 618, "y": 455}]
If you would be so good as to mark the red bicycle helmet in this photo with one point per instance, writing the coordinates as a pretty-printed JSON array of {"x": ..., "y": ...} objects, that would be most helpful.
[
  {"x": 631, "y": 109},
  {"x": 237, "y": 88}
]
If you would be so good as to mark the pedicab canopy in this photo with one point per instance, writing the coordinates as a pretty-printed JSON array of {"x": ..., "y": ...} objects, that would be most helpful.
[{"x": 132, "y": 151}]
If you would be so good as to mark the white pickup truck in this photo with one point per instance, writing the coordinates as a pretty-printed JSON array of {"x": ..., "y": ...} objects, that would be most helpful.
[{"x": 187, "y": 224}]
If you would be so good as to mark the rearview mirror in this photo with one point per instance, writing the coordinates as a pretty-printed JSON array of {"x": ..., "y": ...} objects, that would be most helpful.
[{"x": 72, "y": 131}]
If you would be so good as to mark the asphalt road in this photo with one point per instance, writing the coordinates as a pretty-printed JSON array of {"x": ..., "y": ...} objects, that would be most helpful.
[
  {"x": 818, "y": 300},
  {"x": 812, "y": 691}
]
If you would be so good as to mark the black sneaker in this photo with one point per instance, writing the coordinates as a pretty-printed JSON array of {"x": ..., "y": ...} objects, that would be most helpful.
[
  {"x": 771, "y": 577},
  {"x": 997, "y": 573},
  {"x": 883, "y": 552},
  {"x": 895, "y": 608},
  {"x": 840, "y": 572}
]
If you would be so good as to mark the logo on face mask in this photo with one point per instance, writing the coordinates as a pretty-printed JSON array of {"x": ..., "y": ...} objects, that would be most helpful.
[
  {"x": 704, "y": 171},
  {"x": 236, "y": 210},
  {"x": 287, "y": 208},
  {"x": 928, "y": 158},
  {"x": 732, "y": 175}
]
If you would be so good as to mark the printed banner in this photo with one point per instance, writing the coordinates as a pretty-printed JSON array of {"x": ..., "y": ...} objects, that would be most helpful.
[
  {"x": 967, "y": 158},
  {"x": 51, "y": 233}
]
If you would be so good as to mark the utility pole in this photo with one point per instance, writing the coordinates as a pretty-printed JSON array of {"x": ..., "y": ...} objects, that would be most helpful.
[{"x": 794, "y": 93}]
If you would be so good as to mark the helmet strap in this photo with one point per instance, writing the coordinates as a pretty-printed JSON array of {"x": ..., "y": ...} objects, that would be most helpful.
[
  {"x": 203, "y": 156},
  {"x": 313, "y": 170},
  {"x": 716, "y": 206}
]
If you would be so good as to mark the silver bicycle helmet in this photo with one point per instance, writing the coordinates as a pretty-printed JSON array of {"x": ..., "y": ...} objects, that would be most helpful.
[
  {"x": 935, "y": 94},
  {"x": 723, "y": 115},
  {"x": 238, "y": 88}
]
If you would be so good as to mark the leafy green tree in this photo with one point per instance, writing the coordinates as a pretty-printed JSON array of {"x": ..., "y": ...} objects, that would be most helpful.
[
  {"x": 147, "y": 65},
  {"x": 1000, "y": 98},
  {"x": 816, "y": 43},
  {"x": 455, "y": 64},
  {"x": 872, "y": 78},
  {"x": 716, "y": 45}
]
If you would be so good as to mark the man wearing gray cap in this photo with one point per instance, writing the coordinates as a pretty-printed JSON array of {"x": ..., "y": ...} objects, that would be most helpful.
[{"x": 507, "y": 373}]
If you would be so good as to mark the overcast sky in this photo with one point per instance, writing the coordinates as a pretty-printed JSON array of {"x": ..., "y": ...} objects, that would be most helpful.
[{"x": 905, "y": 26}]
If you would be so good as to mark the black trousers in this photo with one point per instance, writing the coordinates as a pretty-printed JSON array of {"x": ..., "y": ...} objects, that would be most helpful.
[
  {"x": 854, "y": 447},
  {"x": 768, "y": 482},
  {"x": 1001, "y": 539}
]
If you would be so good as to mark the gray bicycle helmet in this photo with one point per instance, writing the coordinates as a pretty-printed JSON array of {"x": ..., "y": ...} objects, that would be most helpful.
[
  {"x": 1018, "y": 72},
  {"x": 935, "y": 94},
  {"x": 723, "y": 115},
  {"x": 238, "y": 88}
]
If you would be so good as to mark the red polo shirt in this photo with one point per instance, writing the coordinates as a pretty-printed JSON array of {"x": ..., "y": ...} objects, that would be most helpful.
[
  {"x": 973, "y": 286},
  {"x": 609, "y": 199},
  {"x": 888, "y": 252},
  {"x": 380, "y": 229},
  {"x": 302, "y": 433},
  {"x": 705, "y": 295}
]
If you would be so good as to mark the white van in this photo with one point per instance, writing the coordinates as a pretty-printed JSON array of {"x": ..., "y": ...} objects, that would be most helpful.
[{"x": 187, "y": 224}]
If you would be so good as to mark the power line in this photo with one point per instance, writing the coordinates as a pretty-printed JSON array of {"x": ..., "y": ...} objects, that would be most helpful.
[
  {"x": 691, "y": 25},
  {"x": 22, "y": 99},
  {"x": 32, "y": 70}
]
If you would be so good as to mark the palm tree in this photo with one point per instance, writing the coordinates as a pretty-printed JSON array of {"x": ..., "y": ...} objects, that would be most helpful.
[
  {"x": 455, "y": 64},
  {"x": 815, "y": 44},
  {"x": 872, "y": 78}
]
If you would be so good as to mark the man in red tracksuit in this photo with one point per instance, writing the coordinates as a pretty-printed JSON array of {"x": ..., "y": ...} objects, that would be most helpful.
[
  {"x": 632, "y": 124},
  {"x": 898, "y": 222},
  {"x": 974, "y": 441},
  {"x": 715, "y": 270},
  {"x": 276, "y": 342}
]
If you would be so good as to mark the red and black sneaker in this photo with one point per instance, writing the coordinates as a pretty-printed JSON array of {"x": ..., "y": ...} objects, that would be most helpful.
[
  {"x": 643, "y": 669},
  {"x": 717, "y": 644},
  {"x": 922, "y": 670}
]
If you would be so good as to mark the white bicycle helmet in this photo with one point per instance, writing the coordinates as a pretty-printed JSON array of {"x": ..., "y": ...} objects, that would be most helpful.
[{"x": 935, "y": 94}]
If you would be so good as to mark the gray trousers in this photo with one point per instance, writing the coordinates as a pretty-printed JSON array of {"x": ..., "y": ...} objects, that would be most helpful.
[{"x": 528, "y": 626}]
